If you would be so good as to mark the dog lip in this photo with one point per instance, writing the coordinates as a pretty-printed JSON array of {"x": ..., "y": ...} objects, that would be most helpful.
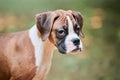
[
  {"x": 77, "y": 48},
  {"x": 62, "y": 49}
]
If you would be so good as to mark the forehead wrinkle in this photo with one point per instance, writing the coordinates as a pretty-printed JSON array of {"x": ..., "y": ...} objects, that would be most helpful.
[{"x": 62, "y": 20}]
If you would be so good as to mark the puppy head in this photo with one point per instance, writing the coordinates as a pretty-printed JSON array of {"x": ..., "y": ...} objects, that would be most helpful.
[{"x": 62, "y": 28}]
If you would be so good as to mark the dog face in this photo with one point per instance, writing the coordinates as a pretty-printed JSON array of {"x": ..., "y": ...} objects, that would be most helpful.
[{"x": 62, "y": 28}]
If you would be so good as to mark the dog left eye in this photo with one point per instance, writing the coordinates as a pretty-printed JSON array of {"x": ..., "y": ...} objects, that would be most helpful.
[{"x": 77, "y": 28}]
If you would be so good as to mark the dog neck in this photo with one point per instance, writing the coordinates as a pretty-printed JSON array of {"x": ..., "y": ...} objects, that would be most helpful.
[{"x": 42, "y": 50}]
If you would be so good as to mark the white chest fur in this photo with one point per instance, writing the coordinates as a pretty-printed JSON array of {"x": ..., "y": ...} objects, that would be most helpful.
[{"x": 38, "y": 45}]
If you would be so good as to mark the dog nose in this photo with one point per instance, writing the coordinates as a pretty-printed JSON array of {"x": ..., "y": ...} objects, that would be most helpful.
[{"x": 76, "y": 41}]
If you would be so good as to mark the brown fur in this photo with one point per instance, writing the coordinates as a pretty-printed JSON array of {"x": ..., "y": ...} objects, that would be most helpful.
[
  {"x": 16, "y": 57},
  {"x": 17, "y": 60}
]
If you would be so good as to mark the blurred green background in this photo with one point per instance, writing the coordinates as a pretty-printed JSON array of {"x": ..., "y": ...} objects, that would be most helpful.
[{"x": 100, "y": 59}]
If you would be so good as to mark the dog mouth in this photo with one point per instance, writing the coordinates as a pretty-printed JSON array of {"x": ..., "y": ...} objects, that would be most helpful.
[
  {"x": 76, "y": 49},
  {"x": 62, "y": 49}
]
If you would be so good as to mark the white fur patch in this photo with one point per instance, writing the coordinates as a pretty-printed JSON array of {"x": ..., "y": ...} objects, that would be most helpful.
[
  {"x": 38, "y": 45},
  {"x": 71, "y": 35}
]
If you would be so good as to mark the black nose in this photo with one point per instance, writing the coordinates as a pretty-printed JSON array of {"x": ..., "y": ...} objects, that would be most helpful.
[{"x": 76, "y": 41}]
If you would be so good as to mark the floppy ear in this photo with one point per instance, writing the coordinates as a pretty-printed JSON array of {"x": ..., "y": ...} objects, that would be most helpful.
[
  {"x": 44, "y": 22},
  {"x": 79, "y": 18}
]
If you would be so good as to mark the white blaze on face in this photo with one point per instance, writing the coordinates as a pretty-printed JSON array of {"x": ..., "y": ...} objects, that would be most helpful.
[{"x": 71, "y": 35}]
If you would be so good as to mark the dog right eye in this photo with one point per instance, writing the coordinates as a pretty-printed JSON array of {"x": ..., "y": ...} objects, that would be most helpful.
[{"x": 61, "y": 32}]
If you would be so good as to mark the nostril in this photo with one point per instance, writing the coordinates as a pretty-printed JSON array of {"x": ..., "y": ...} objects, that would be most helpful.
[{"x": 76, "y": 41}]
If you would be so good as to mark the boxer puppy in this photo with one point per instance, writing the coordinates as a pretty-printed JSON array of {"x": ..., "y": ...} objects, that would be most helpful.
[{"x": 27, "y": 55}]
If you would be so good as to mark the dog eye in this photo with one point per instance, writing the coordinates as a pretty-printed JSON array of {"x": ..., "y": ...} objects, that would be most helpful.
[
  {"x": 76, "y": 28},
  {"x": 61, "y": 32}
]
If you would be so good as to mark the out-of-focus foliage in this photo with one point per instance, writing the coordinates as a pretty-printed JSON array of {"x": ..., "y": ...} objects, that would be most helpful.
[{"x": 100, "y": 58}]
